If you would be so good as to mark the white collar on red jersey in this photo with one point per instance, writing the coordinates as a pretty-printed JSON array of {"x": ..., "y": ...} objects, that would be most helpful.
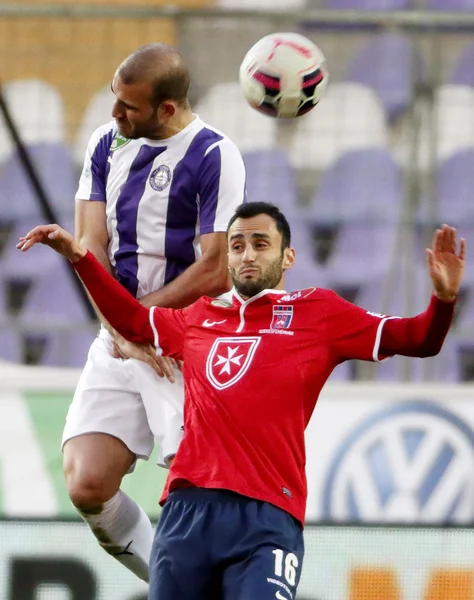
[{"x": 238, "y": 297}]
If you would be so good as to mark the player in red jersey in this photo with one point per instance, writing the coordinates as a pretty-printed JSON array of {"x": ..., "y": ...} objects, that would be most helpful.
[{"x": 235, "y": 499}]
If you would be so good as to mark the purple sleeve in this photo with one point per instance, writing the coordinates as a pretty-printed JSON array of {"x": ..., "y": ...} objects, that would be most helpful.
[
  {"x": 221, "y": 186},
  {"x": 92, "y": 184}
]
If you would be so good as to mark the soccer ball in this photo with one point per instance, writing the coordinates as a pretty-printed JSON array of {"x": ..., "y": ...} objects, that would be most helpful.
[{"x": 283, "y": 75}]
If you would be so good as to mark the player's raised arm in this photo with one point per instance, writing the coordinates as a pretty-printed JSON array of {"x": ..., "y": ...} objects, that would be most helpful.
[
  {"x": 423, "y": 335},
  {"x": 119, "y": 307},
  {"x": 355, "y": 333}
]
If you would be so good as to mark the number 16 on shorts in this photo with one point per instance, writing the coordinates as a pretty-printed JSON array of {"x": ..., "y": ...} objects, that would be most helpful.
[{"x": 287, "y": 567}]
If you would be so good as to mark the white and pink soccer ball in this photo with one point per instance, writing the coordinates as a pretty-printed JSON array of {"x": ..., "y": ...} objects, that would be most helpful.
[{"x": 283, "y": 75}]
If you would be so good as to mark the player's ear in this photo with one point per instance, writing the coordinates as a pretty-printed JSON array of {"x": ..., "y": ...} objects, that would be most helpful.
[
  {"x": 289, "y": 257},
  {"x": 166, "y": 109}
]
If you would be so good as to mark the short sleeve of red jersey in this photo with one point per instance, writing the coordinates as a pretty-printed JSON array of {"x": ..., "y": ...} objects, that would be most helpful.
[
  {"x": 168, "y": 326},
  {"x": 352, "y": 332}
]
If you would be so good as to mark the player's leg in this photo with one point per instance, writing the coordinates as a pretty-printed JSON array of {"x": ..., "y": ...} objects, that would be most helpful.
[
  {"x": 163, "y": 402},
  {"x": 106, "y": 429},
  {"x": 271, "y": 557},
  {"x": 181, "y": 563}
]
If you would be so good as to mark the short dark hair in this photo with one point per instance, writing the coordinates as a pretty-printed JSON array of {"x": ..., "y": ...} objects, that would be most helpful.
[
  {"x": 172, "y": 85},
  {"x": 253, "y": 209},
  {"x": 163, "y": 67}
]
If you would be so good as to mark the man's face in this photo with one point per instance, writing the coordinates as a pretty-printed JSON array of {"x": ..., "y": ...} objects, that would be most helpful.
[
  {"x": 133, "y": 110},
  {"x": 256, "y": 260}
]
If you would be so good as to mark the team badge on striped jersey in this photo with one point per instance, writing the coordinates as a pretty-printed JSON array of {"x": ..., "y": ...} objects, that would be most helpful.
[
  {"x": 282, "y": 316},
  {"x": 160, "y": 178}
]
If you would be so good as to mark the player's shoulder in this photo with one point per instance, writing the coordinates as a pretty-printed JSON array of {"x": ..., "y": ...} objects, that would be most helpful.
[
  {"x": 104, "y": 132},
  {"x": 205, "y": 306},
  {"x": 212, "y": 139},
  {"x": 205, "y": 303},
  {"x": 306, "y": 296}
]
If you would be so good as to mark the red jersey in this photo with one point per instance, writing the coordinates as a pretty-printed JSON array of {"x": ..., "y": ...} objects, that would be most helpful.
[{"x": 253, "y": 371}]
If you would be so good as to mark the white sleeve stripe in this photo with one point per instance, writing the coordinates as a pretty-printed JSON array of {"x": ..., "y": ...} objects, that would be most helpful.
[
  {"x": 159, "y": 352},
  {"x": 86, "y": 189},
  {"x": 212, "y": 146},
  {"x": 378, "y": 337},
  {"x": 231, "y": 185}
]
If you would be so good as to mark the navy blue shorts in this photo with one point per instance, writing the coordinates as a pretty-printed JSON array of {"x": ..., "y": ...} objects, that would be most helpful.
[{"x": 217, "y": 545}]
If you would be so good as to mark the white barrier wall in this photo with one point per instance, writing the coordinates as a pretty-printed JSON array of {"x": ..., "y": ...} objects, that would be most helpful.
[{"x": 383, "y": 453}]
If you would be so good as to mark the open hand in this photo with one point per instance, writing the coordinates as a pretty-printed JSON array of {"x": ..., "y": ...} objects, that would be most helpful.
[
  {"x": 56, "y": 238},
  {"x": 445, "y": 263},
  {"x": 162, "y": 365}
]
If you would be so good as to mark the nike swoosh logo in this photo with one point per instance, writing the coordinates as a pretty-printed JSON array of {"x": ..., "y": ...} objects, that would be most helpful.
[
  {"x": 208, "y": 323},
  {"x": 280, "y": 596}
]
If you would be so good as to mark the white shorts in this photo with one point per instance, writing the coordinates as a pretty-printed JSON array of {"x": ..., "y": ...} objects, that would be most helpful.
[{"x": 127, "y": 399}]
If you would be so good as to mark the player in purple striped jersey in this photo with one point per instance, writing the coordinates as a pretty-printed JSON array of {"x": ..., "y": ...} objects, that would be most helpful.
[{"x": 156, "y": 192}]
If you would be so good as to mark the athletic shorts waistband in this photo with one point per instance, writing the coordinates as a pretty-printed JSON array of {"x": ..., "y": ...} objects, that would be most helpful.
[{"x": 208, "y": 495}]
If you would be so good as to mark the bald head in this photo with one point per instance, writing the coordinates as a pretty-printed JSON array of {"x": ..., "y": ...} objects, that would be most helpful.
[{"x": 161, "y": 66}]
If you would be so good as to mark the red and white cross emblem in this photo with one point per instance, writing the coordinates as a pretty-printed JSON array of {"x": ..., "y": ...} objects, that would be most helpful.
[{"x": 229, "y": 359}]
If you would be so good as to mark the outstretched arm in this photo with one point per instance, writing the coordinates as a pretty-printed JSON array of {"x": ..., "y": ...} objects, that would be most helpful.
[
  {"x": 420, "y": 336},
  {"x": 424, "y": 334},
  {"x": 355, "y": 333},
  {"x": 124, "y": 313}
]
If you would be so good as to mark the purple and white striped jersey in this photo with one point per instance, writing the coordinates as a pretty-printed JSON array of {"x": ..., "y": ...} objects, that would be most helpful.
[{"x": 160, "y": 196}]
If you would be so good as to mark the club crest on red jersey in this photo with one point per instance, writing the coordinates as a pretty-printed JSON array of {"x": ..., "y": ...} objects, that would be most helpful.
[
  {"x": 229, "y": 360},
  {"x": 282, "y": 316}
]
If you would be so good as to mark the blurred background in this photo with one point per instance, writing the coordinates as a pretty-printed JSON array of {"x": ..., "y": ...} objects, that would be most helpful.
[{"x": 365, "y": 178}]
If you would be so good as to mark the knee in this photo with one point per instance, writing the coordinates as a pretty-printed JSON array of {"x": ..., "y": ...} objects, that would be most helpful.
[
  {"x": 88, "y": 486},
  {"x": 87, "y": 491},
  {"x": 93, "y": 468}
]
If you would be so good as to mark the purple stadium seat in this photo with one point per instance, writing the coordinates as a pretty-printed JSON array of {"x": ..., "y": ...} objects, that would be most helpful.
[
  {"x": 53, "y": 302},
  {"x": 3, "y": 298},
  {"x": 65, "y": 349},
  {"x": 305, "y": 273},
  {"x": 464, "y": 327},
  {"x": 341, "y": 373},
  {"x": 373, "y": 296},
  {"x": 361, "y": 251},
  {"x": 270, "y": 178},
  {"x": 56, "y": 170},
  {"x": 453, "y": 197},
  {"x": 11, "y": 345},
  {"x": 301, "y": 237},
  {"x": 389, "y": 65},
  {"x": 467, "y": 232},
  {"x": 451, "y": 5},
  {"x": 35, "y": 263},
  {"x": 367, "y": 4},
  {"x": 463, "y": 71},
  {"x": 54, "y": 299},
  {"x": 466, "y": 314},
  {"x": 362, "y": 184}
]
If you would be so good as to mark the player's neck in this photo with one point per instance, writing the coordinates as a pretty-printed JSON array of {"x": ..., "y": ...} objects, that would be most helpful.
[
  {"x": 179, "y": 122},
  {"x": 278, "y": 287}
]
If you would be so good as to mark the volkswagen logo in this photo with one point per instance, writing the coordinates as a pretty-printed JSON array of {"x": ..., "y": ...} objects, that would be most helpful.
[{"x": 410, "y": 463}]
